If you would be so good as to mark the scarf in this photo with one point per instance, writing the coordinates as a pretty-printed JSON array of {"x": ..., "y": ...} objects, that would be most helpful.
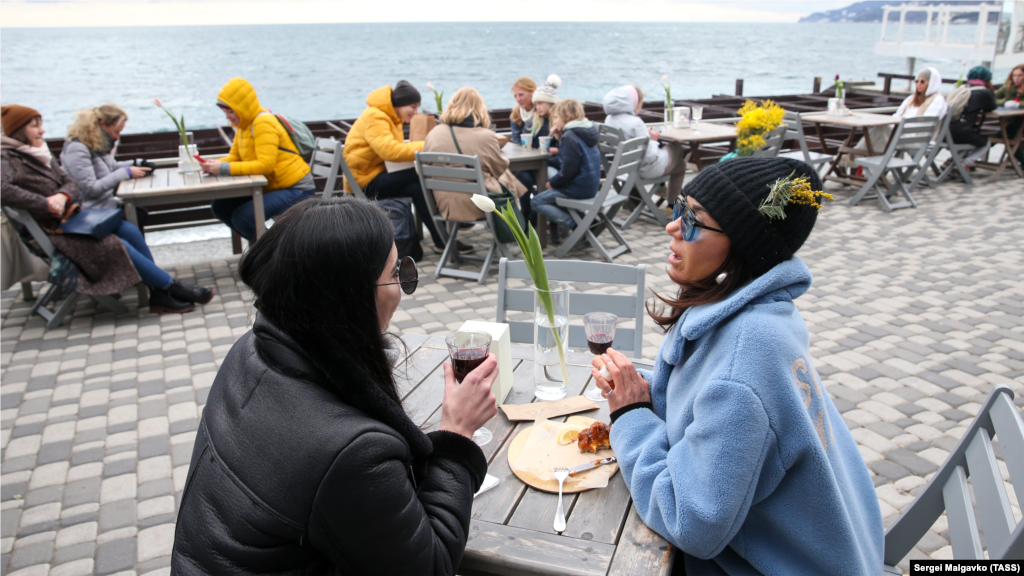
[
  {"x": 40, "y": 153},
  {"x": 106, "y": 144},
  {"x": 976, "y": 82}
]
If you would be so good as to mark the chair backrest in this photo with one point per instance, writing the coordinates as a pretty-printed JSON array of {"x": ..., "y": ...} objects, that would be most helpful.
[
  {"x": 608, "y": 140},
  {"x": 974, "y": 456},
  {"x": 623, "y": 306},
  {"x": 795, "y": 129},
  {"x": 357, "y": 190},
  {"x": 448, "y": 173},
  {"x": 324, "y": 163},
  {"x": 23, "y": 217},
  {"x": 773, "y": 141},
  {"x": 913, "y": 136}
]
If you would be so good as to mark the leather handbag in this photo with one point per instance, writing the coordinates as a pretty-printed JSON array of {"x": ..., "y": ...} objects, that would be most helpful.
[{"x": 97, "y": 223}]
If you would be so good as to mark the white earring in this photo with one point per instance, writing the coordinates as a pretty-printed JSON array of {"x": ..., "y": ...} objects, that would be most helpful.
[{"x": 721, "y": 277}]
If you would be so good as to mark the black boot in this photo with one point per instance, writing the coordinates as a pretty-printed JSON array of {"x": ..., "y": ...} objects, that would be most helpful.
[
  {"x": 188, "y": 293},
  {"x": 161, "y": 301}
]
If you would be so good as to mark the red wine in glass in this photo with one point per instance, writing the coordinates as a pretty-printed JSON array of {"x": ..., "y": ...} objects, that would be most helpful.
[
  {"x": 599, "y": 343},
  {"x": 465, "y": 361}
]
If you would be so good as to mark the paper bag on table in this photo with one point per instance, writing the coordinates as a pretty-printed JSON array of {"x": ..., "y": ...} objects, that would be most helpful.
[
  {"x": 550, "y": 409},
  {"x": 420, "y": 126},
  {"x": 542, "y": 454}
]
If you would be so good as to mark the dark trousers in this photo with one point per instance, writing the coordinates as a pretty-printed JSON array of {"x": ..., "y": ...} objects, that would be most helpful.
[
  {"x": 967, "y": 133},
  {"x": 404, "y": 184},
  {"x": 529, "y": 179}
]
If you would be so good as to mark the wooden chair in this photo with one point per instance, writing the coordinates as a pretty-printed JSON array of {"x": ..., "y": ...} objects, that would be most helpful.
[
  {"x": 956, "y": 161},
  {"x": 773, "y": 141},
  {"x": 596, "y": 214},
  {"x": 54, "y": 293},
  {"x": 903, "y": 159},
  {"x": 795, "y": 129},
  {"x": 462, "y": 174},
  {"x": 623, "y": 306},
  {"x": 973, "y": 457}
]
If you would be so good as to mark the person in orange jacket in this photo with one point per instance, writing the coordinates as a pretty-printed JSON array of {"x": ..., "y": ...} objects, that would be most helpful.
[{"x": 261, "y": 146}]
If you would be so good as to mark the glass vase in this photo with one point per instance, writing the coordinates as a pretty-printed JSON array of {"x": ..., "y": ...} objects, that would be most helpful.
[
  {"x": 550, "y": 341},
  {"x": 669, "y": 115},
  {"x": 187, "y": 163}
]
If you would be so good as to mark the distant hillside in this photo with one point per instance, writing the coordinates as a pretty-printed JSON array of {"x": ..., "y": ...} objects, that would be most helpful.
[{"x": 871, "y": 11}]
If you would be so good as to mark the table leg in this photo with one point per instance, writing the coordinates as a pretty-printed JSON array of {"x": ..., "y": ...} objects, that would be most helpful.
[
  {"x": 542, "y": 221},
  {"x": 695, "y": 156},
  {"x": 1010, "y": 145},
  {"x": 132, "y": 215},
  {"x": 257, "y": 208}
]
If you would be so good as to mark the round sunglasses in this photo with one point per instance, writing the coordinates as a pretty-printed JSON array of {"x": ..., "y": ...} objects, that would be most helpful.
[
  {"x": 406, "y": 275},
  {"x": 690, "y": 227}
]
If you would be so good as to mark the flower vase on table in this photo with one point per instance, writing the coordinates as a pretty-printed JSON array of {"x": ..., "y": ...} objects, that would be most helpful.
[
  {"x": 187, "y": 163},
  {"x": 550, "y": 333}
]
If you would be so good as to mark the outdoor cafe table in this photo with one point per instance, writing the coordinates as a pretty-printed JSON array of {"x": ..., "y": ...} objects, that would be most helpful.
[
  {"x": 705, "y": 133},
  {"x": 858, "y": 123},
  {"x": 533, "y": 160},
  {"x": 1010, "y": 141},
  {"x": 511, "y": 528}
]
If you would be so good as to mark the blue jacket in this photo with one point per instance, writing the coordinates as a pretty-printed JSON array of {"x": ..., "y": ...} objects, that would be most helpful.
[
  {"x": 745, "y": 464},
  {"x": 578, "y": 161}
]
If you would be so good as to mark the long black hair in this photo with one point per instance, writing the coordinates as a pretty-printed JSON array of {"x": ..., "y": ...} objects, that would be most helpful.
[{"x": 314, "y": 274}]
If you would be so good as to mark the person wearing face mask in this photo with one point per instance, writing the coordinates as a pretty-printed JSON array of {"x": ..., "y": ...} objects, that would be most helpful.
[
  {"x": 87, "y": 157},
  {"x": 261, "y": 146},
  {"x": 731, "y": 448}
]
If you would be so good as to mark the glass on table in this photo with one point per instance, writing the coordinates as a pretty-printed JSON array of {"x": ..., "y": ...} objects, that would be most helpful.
[
  {"x": 468, "y": 350},
  {"x": 696, "y": 115},
  {"x": 600, "y": 330}
]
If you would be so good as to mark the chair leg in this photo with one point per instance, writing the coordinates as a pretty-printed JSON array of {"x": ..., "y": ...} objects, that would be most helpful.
[
  {"x": 57, "y": 316},
  {"x": 453, "y": 232},
  {"x": 867, "y": 187},
  {"x": 486, "y": 268},
  {"x": 647, "y": 202}
]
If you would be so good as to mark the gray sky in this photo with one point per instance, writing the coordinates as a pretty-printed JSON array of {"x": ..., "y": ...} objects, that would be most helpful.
[{"x": 89, "y": 13}]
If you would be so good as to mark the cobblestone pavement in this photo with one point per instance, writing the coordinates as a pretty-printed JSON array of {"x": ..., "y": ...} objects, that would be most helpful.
[{"x": 913, "y": 316}]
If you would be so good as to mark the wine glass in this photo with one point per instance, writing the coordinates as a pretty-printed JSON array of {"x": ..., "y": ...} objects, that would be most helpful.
[
  {"x": 697, "y": 113},
  {"x": 469, "y": 350},
  {"x": 600, "y": 329}
]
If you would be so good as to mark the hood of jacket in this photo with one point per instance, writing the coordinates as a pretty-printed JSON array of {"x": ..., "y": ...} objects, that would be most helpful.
[
  {"x": 934, "y": 81},
  {"x": 381, "y": 100},
  {"x": 585, "y": 129},
  {"x": 619, "y": 101},
  {"x": 240, "y": 96}
]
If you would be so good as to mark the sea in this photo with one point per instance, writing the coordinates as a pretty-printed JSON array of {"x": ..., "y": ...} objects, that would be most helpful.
[{"x": 325, "y": 71}]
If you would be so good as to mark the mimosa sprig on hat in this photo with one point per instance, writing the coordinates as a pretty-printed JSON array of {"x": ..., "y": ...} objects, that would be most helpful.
[
  {"x": 534, "y": 259},
  {"x": 437, "y": 97},
  {"x": 756, "y": 121},
  {"x": 791, "y": 190},
  {"x": 179, "y": 124}
]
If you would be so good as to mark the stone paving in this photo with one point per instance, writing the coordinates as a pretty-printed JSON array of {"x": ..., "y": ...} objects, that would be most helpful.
[{"x": 914, "y": 316}]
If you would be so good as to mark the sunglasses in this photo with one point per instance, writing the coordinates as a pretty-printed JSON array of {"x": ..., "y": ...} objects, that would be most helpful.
[
  {"x": 690, "y": 228},
  {"x": 406, "y": 275}
]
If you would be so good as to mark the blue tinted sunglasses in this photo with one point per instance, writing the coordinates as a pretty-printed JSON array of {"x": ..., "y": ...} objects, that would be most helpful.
[{"x": 690, "y": 227}]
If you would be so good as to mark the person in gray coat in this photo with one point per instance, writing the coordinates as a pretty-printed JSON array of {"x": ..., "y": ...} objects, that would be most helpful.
[
  {"x": 87, "y": 156},
  {"x": 621, "y": 105}
]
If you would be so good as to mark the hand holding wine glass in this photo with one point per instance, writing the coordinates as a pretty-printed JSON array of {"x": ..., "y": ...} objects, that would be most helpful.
[
  {"x": 468, "y": 399},
  {"x": 600, "y": 330}
]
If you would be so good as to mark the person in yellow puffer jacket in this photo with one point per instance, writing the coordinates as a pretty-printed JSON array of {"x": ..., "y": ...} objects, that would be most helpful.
[
  {"x": 261, "y": 146},
  {"x": 375, "y": 138}
]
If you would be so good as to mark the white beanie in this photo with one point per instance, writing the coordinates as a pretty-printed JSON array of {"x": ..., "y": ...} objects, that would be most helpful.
[{"x": 547, "y": 92}]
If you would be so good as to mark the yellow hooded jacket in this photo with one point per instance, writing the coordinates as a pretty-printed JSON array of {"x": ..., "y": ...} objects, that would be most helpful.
[
  {"x": 272, "y": 152},
  {"x": 377, "y": 137}
]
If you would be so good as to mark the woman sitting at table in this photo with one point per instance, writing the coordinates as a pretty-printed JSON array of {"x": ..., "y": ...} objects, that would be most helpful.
[
  {"x": 925, "y": 101},
  {"x": 521, "y": 119},
  {"x": 542, "y": 100},
  {"x": 375, "y": 138},
  {"x": 622, "y": 105},
  {"x": 464, "y": 130},
  {"x": 734, "y": 451},
  {"x": 87, "y": 157},
  {"x": 1010, "y": 95},
  {"x": 261, "y": 146},
  {"x": 965, "y": 130},
  {"x": 34, "y": 182},
  {"x": 305, "y": 461}
]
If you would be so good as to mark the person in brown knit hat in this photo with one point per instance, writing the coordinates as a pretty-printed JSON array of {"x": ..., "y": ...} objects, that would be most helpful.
[{"x": 13, "y": 117}]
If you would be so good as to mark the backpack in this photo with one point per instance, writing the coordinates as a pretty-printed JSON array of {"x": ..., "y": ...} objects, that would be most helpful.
[
  {"x": 302, "y": 137},
  {"x": 406, "y": 240},
  {"x": 958, "y": 100}
]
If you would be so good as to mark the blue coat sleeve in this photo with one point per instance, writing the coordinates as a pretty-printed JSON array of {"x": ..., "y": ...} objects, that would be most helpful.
[
  {"x": 697, "y": 492},
  {"x": 517, "y": 133},
  {"x": 571, "y": 157}
]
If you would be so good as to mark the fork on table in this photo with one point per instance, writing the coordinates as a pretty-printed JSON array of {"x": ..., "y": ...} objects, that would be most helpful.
[{"x": 560, "y": 474}]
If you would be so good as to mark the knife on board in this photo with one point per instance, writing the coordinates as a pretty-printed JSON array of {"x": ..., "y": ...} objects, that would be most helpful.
[{"x": 591, "y": 465}]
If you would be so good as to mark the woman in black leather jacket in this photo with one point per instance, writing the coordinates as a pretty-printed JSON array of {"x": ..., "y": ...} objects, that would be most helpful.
[{"x": 305, "y": 461}]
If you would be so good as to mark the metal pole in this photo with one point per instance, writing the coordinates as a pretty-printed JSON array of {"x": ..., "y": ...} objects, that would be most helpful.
[
  {"x": 910, "y": 70},
  {"x": 817, "y": 85},
  {"x": 739, "y": 86}
]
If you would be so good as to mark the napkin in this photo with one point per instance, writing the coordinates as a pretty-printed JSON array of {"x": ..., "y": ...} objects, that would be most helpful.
[
  {"x": 489, "y": 482},
  {"x": 542, "y": 453}
]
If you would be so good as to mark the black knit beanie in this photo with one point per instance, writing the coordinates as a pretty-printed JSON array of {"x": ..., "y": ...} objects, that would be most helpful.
[
  {"x": 404, "y": 94},
  {"x": 732, "y": 192}
]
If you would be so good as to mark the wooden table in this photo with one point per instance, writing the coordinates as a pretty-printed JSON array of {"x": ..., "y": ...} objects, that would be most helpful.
[
  {"x": 706, "y": 133},
  {"x": 166, "y": 185},
  {"x": 535, "y": 161},
  {"x": 511, "y": 528},
  {"x": 857, "y": 122},
  {"x": 1011, "y": 142}
]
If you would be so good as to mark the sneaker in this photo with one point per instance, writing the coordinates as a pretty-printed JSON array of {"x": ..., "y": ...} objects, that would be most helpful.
[
  {"x": 189, "y": 293},
  {"x": 161, "y": 301}
]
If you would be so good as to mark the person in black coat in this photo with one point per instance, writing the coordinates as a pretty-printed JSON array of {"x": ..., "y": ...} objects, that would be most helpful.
[
  {"x": 981, "y": 100},
  {"x": 305, "y": 461}
]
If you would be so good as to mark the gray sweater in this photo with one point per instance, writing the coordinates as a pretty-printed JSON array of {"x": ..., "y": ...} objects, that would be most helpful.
[
  {"x": 619, "y": 106},
  {"x": 97, "y": 175}
]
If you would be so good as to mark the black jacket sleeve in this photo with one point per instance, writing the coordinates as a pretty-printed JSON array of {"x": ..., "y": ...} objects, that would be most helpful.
[
  {"x": 372, "y": 515},
  {"x": 572, "y": 157}
]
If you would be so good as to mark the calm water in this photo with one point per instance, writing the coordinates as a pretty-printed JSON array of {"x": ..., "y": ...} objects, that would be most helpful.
[{"x": 325, "y": 71}]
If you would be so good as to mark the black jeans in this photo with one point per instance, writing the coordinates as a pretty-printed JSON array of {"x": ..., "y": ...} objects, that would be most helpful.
[{"x": 404, "y": 184}]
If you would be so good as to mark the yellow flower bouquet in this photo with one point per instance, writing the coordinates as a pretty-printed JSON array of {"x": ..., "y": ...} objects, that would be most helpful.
[{"x": 756, "y": 121}]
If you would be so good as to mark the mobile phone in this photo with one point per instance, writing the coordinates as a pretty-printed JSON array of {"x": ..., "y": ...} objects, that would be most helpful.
[{"x": 198, "y": 157}]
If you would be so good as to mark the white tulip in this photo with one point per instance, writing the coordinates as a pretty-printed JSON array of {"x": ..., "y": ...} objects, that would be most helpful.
[
  {"x": 483, "y": 202},
  {"x": 430, "y": 86}
]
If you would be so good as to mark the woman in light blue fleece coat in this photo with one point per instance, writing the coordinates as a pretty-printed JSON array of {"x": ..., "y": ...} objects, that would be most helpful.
[{"x": 734, "y": 451}]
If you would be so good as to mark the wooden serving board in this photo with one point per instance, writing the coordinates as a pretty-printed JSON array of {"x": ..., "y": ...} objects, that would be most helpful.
[{"x": 570, "y": 486}]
